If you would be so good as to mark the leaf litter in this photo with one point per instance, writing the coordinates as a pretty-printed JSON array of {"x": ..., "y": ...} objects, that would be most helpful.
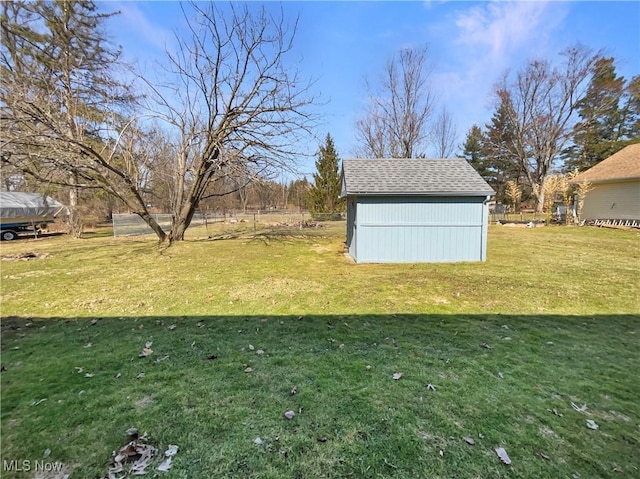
[{"x": 138, "y": 456}]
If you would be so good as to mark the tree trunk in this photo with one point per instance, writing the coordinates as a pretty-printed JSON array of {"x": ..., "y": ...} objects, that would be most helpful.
[
  {"x": 75, "y": 226},
  {"x": 157, "y": 229},
  {"x": 183, "y": 220},
  {"x": 540, "y": 201}
]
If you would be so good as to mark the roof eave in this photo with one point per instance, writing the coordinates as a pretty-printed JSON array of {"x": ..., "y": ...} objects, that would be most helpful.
[
  {"x": 420, "y": 193},
  {"x": 578, "y": 180}
]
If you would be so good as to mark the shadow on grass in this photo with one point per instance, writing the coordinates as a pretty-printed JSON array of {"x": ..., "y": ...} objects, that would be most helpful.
[{"x": 214, "y": 384}]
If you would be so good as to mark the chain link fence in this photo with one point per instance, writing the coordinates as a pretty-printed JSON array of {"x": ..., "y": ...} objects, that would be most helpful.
[{"x": 133, "y": 225}]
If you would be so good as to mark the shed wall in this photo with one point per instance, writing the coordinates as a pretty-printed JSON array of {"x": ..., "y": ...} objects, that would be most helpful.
[
  {"x": 417, "y": 229},
  {"x": 612, "y": 201}
]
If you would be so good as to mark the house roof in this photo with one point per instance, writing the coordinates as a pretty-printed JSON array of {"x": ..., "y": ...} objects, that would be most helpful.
[
  {"x": 624, "y": 165},
  {"x": 448, "y": 177}
]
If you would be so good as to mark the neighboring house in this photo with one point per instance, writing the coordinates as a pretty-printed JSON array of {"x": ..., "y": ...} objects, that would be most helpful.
[
  {"x": 415, "y": 210},
  {"x": 615, "y": 193}
]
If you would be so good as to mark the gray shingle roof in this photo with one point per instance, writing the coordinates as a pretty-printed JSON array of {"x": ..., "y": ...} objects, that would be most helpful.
[{"x": 450, "y": 177}]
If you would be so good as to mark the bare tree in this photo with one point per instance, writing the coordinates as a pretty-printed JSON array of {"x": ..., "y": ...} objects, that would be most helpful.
[
  {"x": 542, "y": 103},
  {"x": 230, "y": 101},
  {"x": 61, "y": 105},
  {"x": 396, "y": 123},
  {"x": 234, "y": 105},
  {"x": 444, "y": 134}
]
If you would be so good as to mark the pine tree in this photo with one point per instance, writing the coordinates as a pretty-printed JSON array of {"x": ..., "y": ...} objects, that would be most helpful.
[
  {"x": 324, "y": 195},
  {"x": 59, "y": 93},
  {"x": 500, "y": 164},
  {"x": 473, "y": 150},
  {"x": 601, "y": 127}
]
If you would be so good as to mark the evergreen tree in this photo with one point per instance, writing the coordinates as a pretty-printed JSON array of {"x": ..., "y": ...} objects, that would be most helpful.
[
  {"x": 602, "y": 121},
  {"x": 324, "y": 195},
  {"x": 473, "y": 150},
  {"x": 631, "y": 111},
  {"x": 500, "y": 163},
  {"x": 59, "y": 93}
]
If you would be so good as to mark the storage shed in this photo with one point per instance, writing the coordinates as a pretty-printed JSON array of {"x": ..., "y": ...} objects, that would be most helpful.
[
  {"x": 415, "y": 210},
  {"x": 615, "y": 182}
]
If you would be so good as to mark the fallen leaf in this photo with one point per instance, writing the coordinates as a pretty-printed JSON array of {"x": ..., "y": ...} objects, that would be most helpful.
[
  {"x": 469, "y": 440},
  {"x": 47, "y": 453},
  {"x": 544, "y": 456},
  {"x": 486, "y": 345},
  {"x": 258, "y": 441},
  {"x": 431, "y": 387},
  {"x": 368, "y": 368},
  {"x": 172, "y": 450},
  {"x": 200, "y": 324},
  {"x": 248, "y": 370},
  {"x": 502, "y": 454},
  {"x": 171, "y": 328},
  {"x": 94, "y": 322},
  {"x": 140, "y": 376},
  {"x": 165, "y": 465},
  {"x": 322, "y": 439},
  {"x": 397, "y": 376},
  {"x": 212, "y": 356},
  {"x": 89, "y": 375},
  {"x": 591, "y": 424},
  {"x": 260, "y": 352},
  {"x": 39, "y": 401},
  {"x": 289, "y": 414},
  {"x": 500, "y": 375},
  {"x": 118, "y": 376},
  {"x": 251, "y": 348},
  {"x": 582, "y": 408},
  {"x": 88, "y": 345},
  {"x": 78, "y": 370},
  {"x": 145, "y": 352},
  {"x": 294, "y": 391},
  {"x": 148, "y": 344}
]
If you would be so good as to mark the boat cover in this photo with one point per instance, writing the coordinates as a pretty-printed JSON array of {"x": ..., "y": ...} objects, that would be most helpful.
[{"x": 29, "y": 205}]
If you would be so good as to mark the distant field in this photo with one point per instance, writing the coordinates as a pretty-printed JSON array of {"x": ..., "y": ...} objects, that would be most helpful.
[{"x": 518, "y": 352}]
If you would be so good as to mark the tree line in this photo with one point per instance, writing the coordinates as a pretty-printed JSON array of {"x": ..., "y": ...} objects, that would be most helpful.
[
  {"x": 232, "y": 111},
  {"x": 552, "y": 119}
]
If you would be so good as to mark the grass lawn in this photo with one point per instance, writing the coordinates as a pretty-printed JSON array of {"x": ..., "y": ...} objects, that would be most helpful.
[{"x": 497, "y": 352}]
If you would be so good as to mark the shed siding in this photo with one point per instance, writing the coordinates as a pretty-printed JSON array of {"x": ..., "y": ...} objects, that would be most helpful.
[
  {"x": 418, "y": 229},
  {"x": 613, "y": 201}
]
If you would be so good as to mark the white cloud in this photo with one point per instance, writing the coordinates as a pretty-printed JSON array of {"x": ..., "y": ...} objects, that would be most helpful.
[
  {"x": 500, "y": 30},
  {"x": 140, "y": 32},
  {"x": 488, "y": 39}
]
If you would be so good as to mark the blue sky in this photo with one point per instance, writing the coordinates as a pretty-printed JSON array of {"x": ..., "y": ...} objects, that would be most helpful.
[{"x": 471, "y": 44}]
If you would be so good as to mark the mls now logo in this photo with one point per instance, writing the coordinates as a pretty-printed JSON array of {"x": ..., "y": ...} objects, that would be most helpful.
[{"x": 26, "y": 465}]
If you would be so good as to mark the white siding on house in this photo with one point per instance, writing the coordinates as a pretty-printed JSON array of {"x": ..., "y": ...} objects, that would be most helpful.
[{"x": 613, "y": 201}]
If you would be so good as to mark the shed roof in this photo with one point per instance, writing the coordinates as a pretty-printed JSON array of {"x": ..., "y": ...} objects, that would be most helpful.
[
  {"x": 624, "y": 165},
  {"x": 429, "y": 177}
]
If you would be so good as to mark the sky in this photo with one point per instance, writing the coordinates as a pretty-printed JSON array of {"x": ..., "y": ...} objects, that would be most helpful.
[{"x": 470, "y": 45}]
